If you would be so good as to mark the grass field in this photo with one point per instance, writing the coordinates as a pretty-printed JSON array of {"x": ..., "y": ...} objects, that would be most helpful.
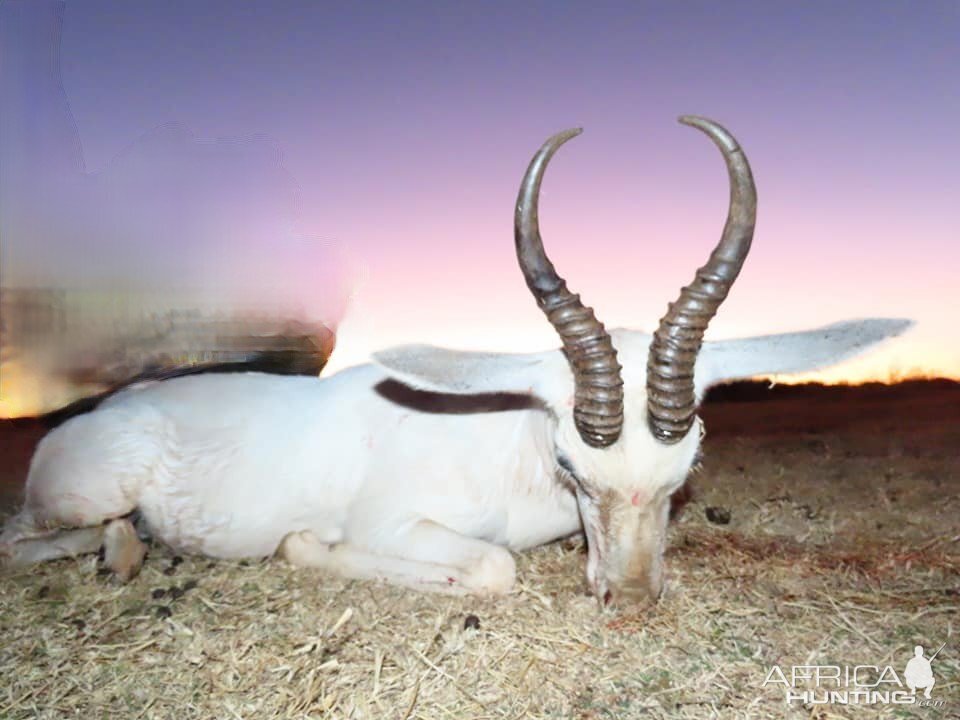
[{"x": 842, "y": 548}]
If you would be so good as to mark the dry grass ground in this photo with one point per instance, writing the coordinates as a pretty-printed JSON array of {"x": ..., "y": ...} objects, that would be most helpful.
[{"x": 843, "y": 547}]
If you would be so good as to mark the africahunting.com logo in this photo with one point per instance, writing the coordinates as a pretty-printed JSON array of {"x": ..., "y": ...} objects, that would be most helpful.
[{"x": 859, "y": 684}]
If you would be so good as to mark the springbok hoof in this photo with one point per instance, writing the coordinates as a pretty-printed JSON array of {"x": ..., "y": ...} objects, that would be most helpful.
[
  {"x": 301, "y": 548},
  {"x": 495, "y": 573},
  {"x": 123, "y": 551}
]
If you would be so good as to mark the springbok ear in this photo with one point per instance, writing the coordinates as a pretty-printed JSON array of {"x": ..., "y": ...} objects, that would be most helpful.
[
  {"x": 425, "y": 367},
  {"x": 792, "y": 352}
]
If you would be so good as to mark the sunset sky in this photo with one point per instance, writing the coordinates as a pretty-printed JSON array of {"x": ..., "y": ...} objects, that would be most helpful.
[{"x": 403, "y": 130}]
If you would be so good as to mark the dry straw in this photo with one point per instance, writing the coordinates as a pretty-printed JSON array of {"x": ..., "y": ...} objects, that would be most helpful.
[{"x": 837, "y": 552}]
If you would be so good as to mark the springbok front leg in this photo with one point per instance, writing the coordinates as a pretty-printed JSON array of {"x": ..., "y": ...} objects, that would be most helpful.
[
  {"x": 427, "y": 557},
  {"x": 51, "y": 545},
  {"x": 123, "y": 551}
]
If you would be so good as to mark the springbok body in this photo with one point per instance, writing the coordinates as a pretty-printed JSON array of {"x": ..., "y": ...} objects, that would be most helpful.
[{"x": 423, "y": 467}]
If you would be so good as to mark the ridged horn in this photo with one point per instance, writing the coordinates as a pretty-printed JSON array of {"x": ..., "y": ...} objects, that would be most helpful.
[
  {"x": 671, "y": 401},
  {"x": 598, "y": 404}
]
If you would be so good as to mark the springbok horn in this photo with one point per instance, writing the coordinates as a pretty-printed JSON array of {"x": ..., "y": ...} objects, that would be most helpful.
[
  {"x": 598, "y": 407},
  {"x": 671, "y": 402}
]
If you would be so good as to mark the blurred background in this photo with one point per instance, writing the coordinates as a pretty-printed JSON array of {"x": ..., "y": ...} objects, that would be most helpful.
[{"x": 291, "y": 170}]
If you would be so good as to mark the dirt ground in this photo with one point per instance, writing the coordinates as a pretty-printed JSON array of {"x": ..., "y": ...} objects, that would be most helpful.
[{"x": 841, "y": 548}]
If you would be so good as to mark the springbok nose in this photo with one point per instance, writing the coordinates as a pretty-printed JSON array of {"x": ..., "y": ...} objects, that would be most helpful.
[{"x": 634, "y": 593}]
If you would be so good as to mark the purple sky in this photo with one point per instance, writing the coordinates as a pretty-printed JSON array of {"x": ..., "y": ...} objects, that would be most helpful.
[{"x": 404, "y": 129}]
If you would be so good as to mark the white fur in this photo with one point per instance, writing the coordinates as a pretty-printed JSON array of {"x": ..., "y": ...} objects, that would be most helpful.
[{"x": 231, "y": 465}]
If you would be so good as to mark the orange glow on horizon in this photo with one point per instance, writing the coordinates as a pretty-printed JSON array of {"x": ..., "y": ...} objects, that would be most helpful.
[
  {"x": 26, "y": 398},
  {"x": 19, "y": 406}
]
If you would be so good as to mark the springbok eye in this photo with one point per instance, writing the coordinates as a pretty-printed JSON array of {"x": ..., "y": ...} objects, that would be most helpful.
[
  {"x": 576, "y": 481},
  {"x": 564, "y": 462}
]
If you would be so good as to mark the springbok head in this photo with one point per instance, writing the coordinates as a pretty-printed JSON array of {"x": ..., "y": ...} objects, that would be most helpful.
[{"x": 623, "y": 405}]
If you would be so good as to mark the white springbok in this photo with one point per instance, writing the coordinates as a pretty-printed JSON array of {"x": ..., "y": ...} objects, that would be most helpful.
[{"x": 428, "y": 466}]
